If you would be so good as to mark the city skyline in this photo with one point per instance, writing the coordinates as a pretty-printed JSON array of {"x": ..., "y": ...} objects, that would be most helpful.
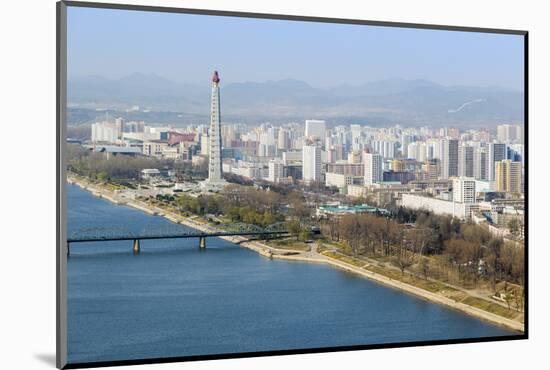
[{"x": 398, "y": 155}]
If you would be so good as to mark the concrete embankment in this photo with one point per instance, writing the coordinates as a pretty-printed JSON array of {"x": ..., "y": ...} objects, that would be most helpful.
[
  {"x": 270, "y": 252},
  {"x": 142, "y": 208}
]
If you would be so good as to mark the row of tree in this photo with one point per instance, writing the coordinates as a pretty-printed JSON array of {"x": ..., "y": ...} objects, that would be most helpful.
[
  {"x": 105, "y": 167},
  {"x": 467, "y": 249}
]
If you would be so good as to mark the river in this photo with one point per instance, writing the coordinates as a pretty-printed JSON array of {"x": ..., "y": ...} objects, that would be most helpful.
[{"x": 176, "y": 300}]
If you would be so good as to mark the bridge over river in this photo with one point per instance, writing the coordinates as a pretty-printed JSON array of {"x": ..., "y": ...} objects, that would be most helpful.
[{"x": 107, "y": 234}]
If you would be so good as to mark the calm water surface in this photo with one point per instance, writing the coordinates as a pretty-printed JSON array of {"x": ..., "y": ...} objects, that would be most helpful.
[{"x": 176, "y": 300}]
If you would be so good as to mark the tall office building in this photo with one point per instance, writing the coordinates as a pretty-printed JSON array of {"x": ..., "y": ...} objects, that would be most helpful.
[
  {"x": 464, "y": 190},
  {"x": 449, "y": 159},
  {"x": 508, "y": 176},
  {"x": 311, "y": 163},
  {"x": 215, "y": 179},
  {"x": 373, "y": 168},
  {"x": 496, "y": 152}
]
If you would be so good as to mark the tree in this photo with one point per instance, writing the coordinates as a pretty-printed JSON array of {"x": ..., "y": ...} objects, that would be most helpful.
[
  {"x": 422, "y": 237},
  {"x": 334, "y": 228},
  {"x": 424, "y": 267},
  {"x": 476, "y": 234},
  {"x": 457, "y": 254},
  {"x": 508, "y": 298},
  {"x": 305, "y": 235},
  {"x": 351, "y": 232},
  {"x": 515, "y": 226},
  {"x": 493, "y": 260},
  {"x": 294, "y": 228},
  {"x": 297, "y": 205},
  {"x": 403, "y": 259}
]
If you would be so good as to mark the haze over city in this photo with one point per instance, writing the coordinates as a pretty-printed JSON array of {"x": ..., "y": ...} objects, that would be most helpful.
[
  {"x": 342, "y": 73},
  {"x": 183, "y": 47}
]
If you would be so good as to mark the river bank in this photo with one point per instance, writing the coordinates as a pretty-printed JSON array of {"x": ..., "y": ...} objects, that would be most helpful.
[{"x": 284, "y": 254}]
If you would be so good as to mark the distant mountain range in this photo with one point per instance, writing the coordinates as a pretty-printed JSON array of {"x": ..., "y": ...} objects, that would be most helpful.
[{"x": 408, "y": 102}]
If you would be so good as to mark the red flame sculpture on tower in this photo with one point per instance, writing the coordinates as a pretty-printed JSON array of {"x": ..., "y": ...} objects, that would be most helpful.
[{"x": 215, "y": 77}]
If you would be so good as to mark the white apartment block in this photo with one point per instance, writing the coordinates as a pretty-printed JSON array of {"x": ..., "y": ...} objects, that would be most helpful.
[
  {"x": 438, "y": 206},
  {"x": 311, "y": 163},
  {"x": 387, "y": 149},
  {"x": 464, "y": 190},
  {"x": 276, "y": 170},
  {"x": 105, "y": 132},
  {"x": 510, "y": 133},
  {"x": 341, "y": 180},
  {"x": 373, "y": 168}
]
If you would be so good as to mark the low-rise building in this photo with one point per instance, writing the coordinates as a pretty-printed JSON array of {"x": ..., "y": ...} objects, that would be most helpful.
[
  {"x": 154, "y": 148},
  {"x": 438, "y": 206},
  {"x": 342, "y": 210},
  {"x": 149, "y": 173},
  {"x": 341, "y": 181}
]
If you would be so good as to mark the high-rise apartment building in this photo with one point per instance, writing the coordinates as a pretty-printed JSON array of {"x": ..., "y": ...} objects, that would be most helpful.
[
  {"x": 464, "y": 190},
  {"x": 315, "y": 128},
  {"x": 105, "y": 132},
  {"x": 480, "y": 163},
  {"x": 373, "y": 168},
  {"x": 466, "y": 161},
  {"x": 283, "y": 139},
  {"x": 432, "y": 169},
  {"x": 508, "y": 176},
  {"x": 276, "y": 168},
  {"x": 449, "y": 159},
  {"x": 311, "y": 163},
  {"x": 386, "y": 148},
  {"x": 496, "y": 152},
  {"x": 119, "y": 123},
  {"x": 510, "y": 133}
]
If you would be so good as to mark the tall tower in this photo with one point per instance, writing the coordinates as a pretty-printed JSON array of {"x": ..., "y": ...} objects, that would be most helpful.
[
  {"x": 215, "y": 157},
  {"x": 215, "y": 179}
]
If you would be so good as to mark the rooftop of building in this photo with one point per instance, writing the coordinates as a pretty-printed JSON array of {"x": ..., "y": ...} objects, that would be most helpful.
[
  {"x": 350, "y": 209},
  {"x": 114, "y": 149}
]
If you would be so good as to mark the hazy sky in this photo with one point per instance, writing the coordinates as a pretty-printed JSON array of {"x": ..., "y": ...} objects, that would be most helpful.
[{"x": 186, "y": 48}]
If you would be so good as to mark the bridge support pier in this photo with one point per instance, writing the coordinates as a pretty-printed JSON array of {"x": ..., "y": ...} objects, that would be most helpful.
[
  {"x": 68, "y": 249},
  {"x": 202, "y": 242},
  {"x": 136, "y": 246}
]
